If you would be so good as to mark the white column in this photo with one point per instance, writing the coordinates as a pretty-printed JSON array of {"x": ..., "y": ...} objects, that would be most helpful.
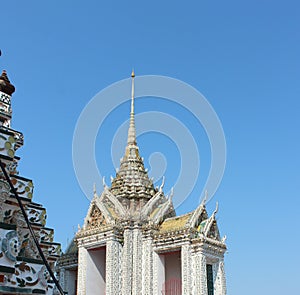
[
  {"x": 220, "y": 279},
  {"x": 81, "y": 279},
  {"x": 137, "y": 262},
  {"x": 186, "y": 275},
  {"x": 113, "y": 268},
  {"x": 147, "y": 267},
  {"x": 159, "y": 276},
  {"x": 127, "y": 262},
  {"x": 199, "y": 274}
]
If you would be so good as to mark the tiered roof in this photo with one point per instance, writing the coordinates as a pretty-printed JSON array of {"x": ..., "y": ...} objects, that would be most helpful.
[{"x": 132, "y": 180}]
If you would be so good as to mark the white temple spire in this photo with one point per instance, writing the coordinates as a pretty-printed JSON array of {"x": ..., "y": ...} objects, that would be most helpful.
[{"x": 131, "y": 131}]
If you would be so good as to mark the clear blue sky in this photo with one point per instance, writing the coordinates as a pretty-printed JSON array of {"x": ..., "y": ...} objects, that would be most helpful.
[{"x": 242, "y": 55}]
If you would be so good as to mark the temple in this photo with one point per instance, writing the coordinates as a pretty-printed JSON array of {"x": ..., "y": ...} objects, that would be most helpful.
[
  {"x": 132, "y": 242},
  {"x": 22, "y": 270}
]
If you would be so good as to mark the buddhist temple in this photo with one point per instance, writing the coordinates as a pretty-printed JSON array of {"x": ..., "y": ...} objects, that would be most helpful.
[
  {"x": 22, "y": 271},
  {"x": 132, "y": 242}
]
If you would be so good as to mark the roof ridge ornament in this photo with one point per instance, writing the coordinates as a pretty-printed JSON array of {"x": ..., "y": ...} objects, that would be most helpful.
[
  {"x": 203, "y": 203},
  {"x": 162, "y": 184},
  {"x": 104, "y": 183},
  {"x": 94, "y": 189},
  {"x": 216, "y": 210}
]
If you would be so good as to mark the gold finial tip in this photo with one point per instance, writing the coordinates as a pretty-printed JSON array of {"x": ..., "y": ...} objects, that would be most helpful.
[{"x": 132, "y": 74}]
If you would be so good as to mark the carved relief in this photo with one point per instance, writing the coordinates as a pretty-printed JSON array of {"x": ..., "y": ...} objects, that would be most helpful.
[
  {"x": 23, "y": 186},
  {"x": 213, "y": 232},
  {"x": 30, "y": 275},
  {"x": 10, "y": 245},
  {"x": 36, "y": 215},
  {"x": 96, "y": 218}
]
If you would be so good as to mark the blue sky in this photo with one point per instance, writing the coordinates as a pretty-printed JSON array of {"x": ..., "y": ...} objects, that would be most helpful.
[{"x": 243, "y": 56}]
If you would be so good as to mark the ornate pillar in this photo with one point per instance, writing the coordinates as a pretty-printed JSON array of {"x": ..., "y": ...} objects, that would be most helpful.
[
  {"x": 219, "y": 279},
  {"x": 113, "y": 267},
  {"x": 199, "y": 274},
  {"x": 127, "y": 262},
  {"x": 81, "y": 279},
  {"x": 137, "y": 261},
  {"x": 158, "y": 273},
  {"x": 147, "y": 267},
  {"x": 186, "y": 268}
]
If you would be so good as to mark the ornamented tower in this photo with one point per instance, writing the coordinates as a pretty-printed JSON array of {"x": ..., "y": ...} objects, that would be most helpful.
[
  {"x": 21, "y": 268},
  {"x": 132, "y": 242}
]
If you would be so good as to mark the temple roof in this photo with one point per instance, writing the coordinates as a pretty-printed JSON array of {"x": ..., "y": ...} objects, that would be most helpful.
[
  {"x": 175, "y": 223},
  {"x": 72, "y": 248},
  {"x": 132, "y": 179}
]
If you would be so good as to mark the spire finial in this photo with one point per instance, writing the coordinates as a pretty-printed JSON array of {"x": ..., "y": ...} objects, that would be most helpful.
[
  {"x": 132, "y": 92},
  {"x": 131, "y": 132}
]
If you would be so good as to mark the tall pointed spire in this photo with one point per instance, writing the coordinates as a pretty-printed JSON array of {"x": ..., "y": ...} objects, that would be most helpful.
[
  {"x": 131, "y": 140},
  {"x": 132, "y": 181}
]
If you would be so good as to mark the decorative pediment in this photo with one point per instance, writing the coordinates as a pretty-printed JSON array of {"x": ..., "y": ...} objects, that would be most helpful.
[
  {"x": 213, "y": 231},
  {"x": 101, "y": 212},
  {"x": 209, "y": 228},
  {"x": 95, "y": 218}
]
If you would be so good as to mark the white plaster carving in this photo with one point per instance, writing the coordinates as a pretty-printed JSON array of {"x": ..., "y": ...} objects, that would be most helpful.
[
  {"x": 113, "y": 255},
  {"x": 195, "y": 216},
  {"x": 186, "y": 269},
  {"x": 148, "y": 208},
  {"x": 82, "y": 264},
  {"x": 163, "y": 210},
  {"x": 118, "y": 206},
  {"x": 147, "y": 267},
  {"x": 127, "y": 262}
]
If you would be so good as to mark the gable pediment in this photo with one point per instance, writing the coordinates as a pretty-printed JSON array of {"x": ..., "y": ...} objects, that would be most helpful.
[
  {"x": 95, "y": 218},
  {"x": 209, "y": 228},
  {"x": 99, "y": 214}
]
